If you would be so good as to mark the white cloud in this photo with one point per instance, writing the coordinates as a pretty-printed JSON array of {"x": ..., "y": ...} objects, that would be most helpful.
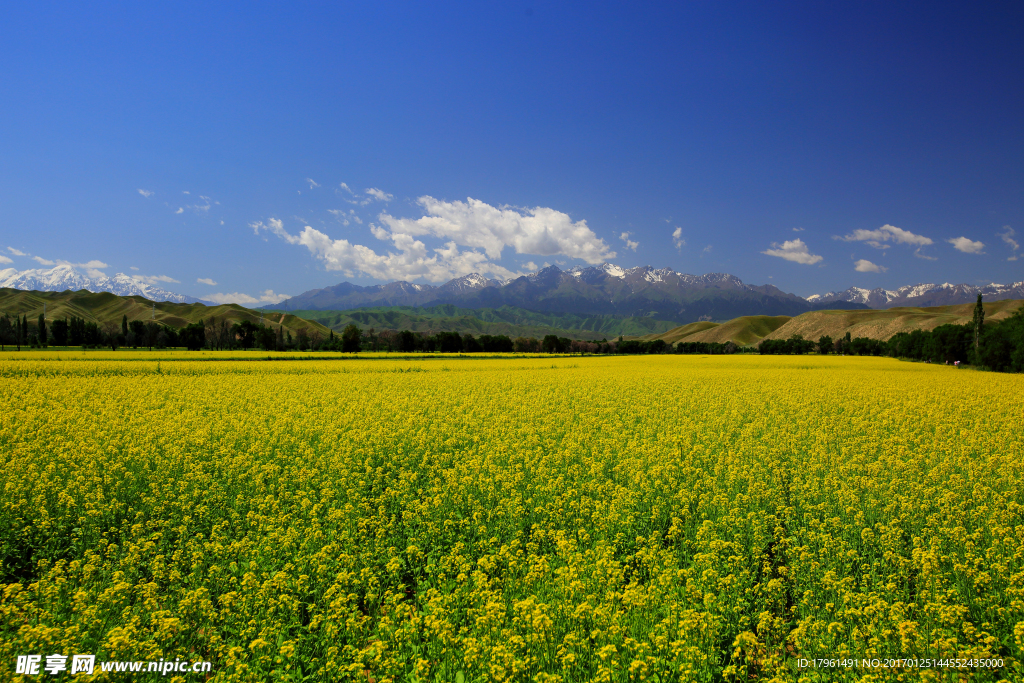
[
  {"x": 865, "y": 266},
  {"x": 347, "y": 189},
  {"x": 16, "y": 252},
  {"x": 145, "y": 193},
  {"x": 205, "y": 281},
  {"x": 185, "y": 192},
  {"x": 1007, "y": 236},
  {"x": 41, "y": 261},
  {"x": 798, "y": 229},
  {"x": 473, "y": 223},
  {"x": 793, "y": 250},
  {"x": 312, "y": 183},
  {"x": 153, "y": 279},
  {"x": 180, "y": 210},
  {"x": 630, "y": 244},
  {"x": 967, "y": 246},
  {"x": 132, "y": 268},
  {"x": 222, "y": 222},
  {"x": 705, "y": 250},
  {"x": 379, "y": 195},
  {"x": 267, "y": 297},
  {"x": 413, "y": 260},
  {"x": 886, "y": 233},
  {"x": 677, "y": 238},
  {"x": 4, "y": 259},
  {"x": 340, "y": 214},
  {"x": 530, "y": 265}
]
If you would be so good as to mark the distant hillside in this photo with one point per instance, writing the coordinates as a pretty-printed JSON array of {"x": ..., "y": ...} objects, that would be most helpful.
[
  {"x": 875, "y": 324},
  {"x": 883, "y": 324},
  {"x": 745, "y": 330},
  {"x": 508, "y": 320},
  {"x": 104, "y": 307},
  {"x": 662, "y": 294}
]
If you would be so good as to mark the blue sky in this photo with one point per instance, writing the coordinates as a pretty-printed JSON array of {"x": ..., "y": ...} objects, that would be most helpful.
[{"x": 809, "y": 146}]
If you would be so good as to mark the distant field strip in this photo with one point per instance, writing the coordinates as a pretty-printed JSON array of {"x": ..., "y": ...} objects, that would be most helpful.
[{"x": 655, "y": 518}]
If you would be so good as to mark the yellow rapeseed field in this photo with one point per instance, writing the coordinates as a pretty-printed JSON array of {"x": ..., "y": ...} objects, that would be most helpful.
[{"x": 655, "y": 518}]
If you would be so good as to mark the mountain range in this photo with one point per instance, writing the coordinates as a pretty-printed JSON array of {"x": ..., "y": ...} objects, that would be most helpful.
[
  {"x": 945, "y": 294},
  {"x": 602, "y": 290},
  {"x": 64, "y": 277}
]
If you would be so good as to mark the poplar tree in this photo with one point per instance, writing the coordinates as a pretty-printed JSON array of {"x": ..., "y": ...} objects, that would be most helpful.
[{"x": 979, "y": 320}]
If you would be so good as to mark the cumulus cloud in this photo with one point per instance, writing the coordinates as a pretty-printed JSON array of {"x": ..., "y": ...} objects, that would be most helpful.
[
  {"x": 677, "y": 238},
  {"x": 145, "y": 193},
  {"x": 630, "y": 244},
  {"x": 42, "y": 261},
  {"x": 706, "y": 250},
  {"x": 474, "y": 234},
  {"x": 267, "y": 297},
  {"x": 865, "y": 266},
  {"x": 205, "y": 281},
  {"x": 379, "y": 195},
  {"x": 180, "y": 210},
  {"x": 16, "y": 252},
  {"x": 967, "y": 246},
  {"x": 886, "y": 233},
  {"x": 411, "y": 260},
  {"x": 312, "y": 183},
  {"x": 347, "y": 189},
  {"x": 530, "y": 265},
  {"x": 793, "y": 250},
  {"x": 473, "y": 223},
  {"x": 4, "y": 259}
]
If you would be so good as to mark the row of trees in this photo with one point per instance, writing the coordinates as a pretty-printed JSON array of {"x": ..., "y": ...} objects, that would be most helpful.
[{"x": 997, "y": 347}]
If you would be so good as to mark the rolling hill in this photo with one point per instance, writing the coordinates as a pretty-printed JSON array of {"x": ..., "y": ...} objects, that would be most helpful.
[
  {"x": 875, "y": 324},
  {"x": 748, "y": 329},
  {"x": 102, "y": 307},
  {"x": 882, "y": 324}
]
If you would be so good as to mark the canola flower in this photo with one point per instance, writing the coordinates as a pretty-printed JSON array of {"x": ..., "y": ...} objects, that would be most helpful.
[{"x": 668, "y": 518}]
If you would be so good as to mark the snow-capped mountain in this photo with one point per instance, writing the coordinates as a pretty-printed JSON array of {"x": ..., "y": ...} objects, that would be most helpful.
[
  {"x": 64, "y": 277},
  {"x": 925, "y": 294},
  {"x": 606, "y": 289}
]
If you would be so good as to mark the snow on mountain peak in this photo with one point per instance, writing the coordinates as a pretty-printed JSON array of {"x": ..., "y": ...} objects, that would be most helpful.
[{"x": 65, "y": 277}]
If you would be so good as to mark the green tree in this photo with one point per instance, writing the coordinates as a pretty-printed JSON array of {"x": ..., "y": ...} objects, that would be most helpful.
[
  {"x": 42, "y": 330},
  {"x": 351, "y": 338},
  {"x": 824, "y": 344},
  {"x": 60, "y": 332},
  {"x": 124, "y": 325},
  {"x": 979, "y": 321}
]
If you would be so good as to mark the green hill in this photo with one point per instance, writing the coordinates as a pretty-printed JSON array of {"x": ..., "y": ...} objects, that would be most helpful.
[
  {"x": 508, "y": 320},
  {"x": 103, "y": 307}
]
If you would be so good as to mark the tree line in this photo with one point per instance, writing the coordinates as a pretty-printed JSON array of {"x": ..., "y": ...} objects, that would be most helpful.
[{"x": 998, "y": 347}]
